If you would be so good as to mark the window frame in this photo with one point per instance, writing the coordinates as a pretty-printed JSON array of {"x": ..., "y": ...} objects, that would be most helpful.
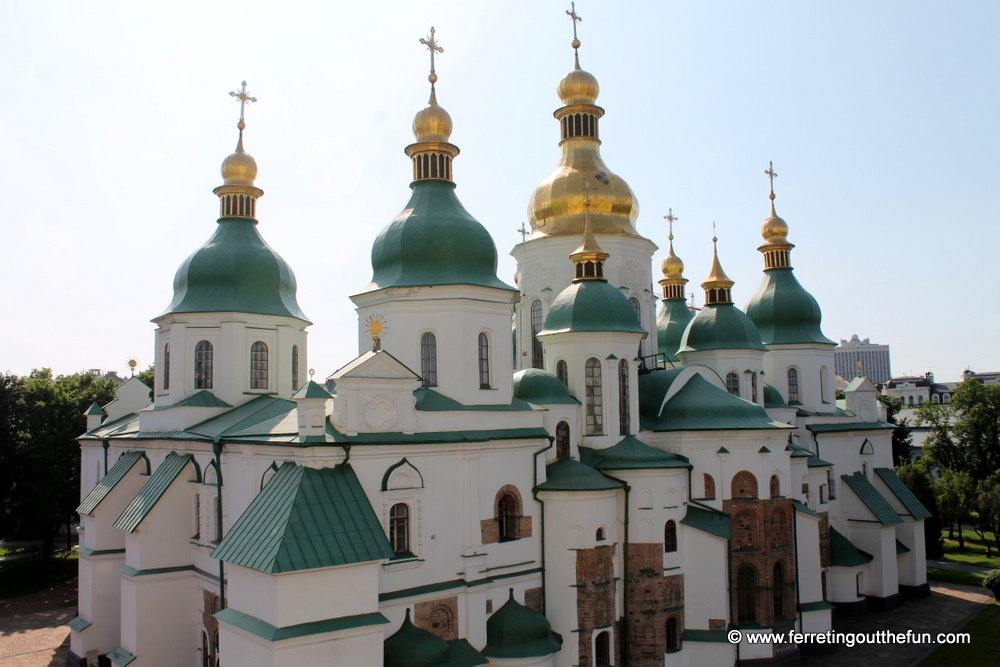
[
  {"x": 259, "y": 366},
  {"x": 594, "y": 397},
  {"x": 537, "y": 322},
  {"x": 204, "y": 364},
  {"x": 484, "y": 360},
  {"x": 428, "y": 359}
]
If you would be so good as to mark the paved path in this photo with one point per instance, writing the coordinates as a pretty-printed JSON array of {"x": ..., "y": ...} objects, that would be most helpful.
[
  {"x": 33, "y": 630},
  {"x": 948, "y": 608},
  {"x": 958, "y": 567}
]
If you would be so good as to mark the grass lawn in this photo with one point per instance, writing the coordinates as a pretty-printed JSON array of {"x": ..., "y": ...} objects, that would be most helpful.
[
  {"x": 972, "y": 554},
  {"x": 12, "y": 551},
  {"x": 969, "y": 534},
  {"x": 983, "y": 648},
  {"x": 953, "y": 577},
  {"x": 29, "y": 575}
]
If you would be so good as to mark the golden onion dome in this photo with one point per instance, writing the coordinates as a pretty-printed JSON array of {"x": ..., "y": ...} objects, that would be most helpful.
[
  {"x": 239, "y": 168},
  {"x": 432, "y": 123},
  {"x": 578, "y": 87},
  {"x": 774, "y": 230}
]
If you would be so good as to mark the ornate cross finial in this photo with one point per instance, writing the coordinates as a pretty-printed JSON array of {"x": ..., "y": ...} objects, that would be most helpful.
[
  {"x": 432, "y": 46},
  {"x": 771, "y": 174},
  {"x": 524, "y": 231},
  {"x": 671, "y": 219},
  {"x": 576, "y": 18},
  {"x": 714, "y": 237},
  {"x": 243, "y": 98}
]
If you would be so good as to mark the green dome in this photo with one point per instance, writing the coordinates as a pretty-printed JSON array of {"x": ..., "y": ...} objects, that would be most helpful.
[
  {"x": 434, "y": 241},
  {"x": 412, "y": 647},
  {"x": 670, "y": 325},
  {"x": 571, "y": 475},
  {"x": 784, "y": 311},
  {"x": 541, "y": 387},
  {"x": 698, "y": 406},
  {"x": 591, "y": 305},
  {"x": 721, "y": 327},
  {"x": 514, "y": 631},
  {"x": 235, "y": 271}
]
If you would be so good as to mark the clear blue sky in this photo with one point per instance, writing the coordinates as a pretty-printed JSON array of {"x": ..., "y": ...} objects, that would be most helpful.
[{"x": 880, "y": 119}]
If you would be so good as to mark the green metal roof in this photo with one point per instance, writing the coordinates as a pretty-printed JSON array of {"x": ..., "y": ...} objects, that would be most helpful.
[
  {"x": 707, "y": 521},
  {"x": 110, "y": 480},
  {"x": 773, "y": 398},
  {"x": 411, "y": 646},
  {"x": 235, "y": 271},
  {"x": 120, "y": 657},
  {"x": 784, "y": 312},
  {"x": 199, "y": 399},
  {"x": 270, "y": 633},
  {"x": 257, "y": 416},
  {"x": 699, "y": 405},
  {"x": 306, "y": 519},
  {"x": 901, "y": 548},
  {"x": 872, "y": 499},
  {"x": 152, "y": 491},
  {"x": 845, "y": 554},
  {"x": 95, "y": 409},
  {"x": 462, "y": 654},
  {"x": 591, "y": 305},
  {"x": 721, "y": 327},
  {"x": 816, "y": 462},
  {"x": 821, "y": 605},
  {"x": 903, "y": 493},
  {"x": 631, "y": 454},
  {"x": 854, "y": 426},
  {"x": 541, "y": 388},
  {"x": 311, "y": 390},
  {"x": 571, "y": 475},
  {"x": 802, "y": 507},
  {"x": 670, "y": 325},
  {"x": 514, "y": 631},
  {"x": 78, "y": 624},
  {"x": 798, "y": 452},
  {"x": 429, "y": 400},
  {"x": 434, "y": 241}
]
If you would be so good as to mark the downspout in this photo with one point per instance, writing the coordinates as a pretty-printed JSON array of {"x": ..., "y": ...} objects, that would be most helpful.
[
  {"x": 541, "y": 519},
  {"x": 816, "y": 440},
  {"x": 105, "y": 444},
  {"x": 217, "y": 450},
  {"x": 795, "y": 540}
]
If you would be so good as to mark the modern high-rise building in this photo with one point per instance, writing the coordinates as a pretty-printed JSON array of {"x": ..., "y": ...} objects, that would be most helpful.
[{"x": 874, "y": 358}]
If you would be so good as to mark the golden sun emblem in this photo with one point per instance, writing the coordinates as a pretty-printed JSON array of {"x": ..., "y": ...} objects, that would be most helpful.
[{"x": 375, "y": 327}]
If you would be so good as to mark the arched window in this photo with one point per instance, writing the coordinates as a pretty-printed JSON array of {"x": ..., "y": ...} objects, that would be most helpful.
[
  {"x": 911, "y": 401},
  {"x": 429, "y": 359},
  {"x": 709, "y": 487},
  {"x": 744, "y": 485},
  {"x": 484, "y": 361},
  {"x": 601, "y": 535},
  {"x": 823, "y": 374},
  {"x": 733, "y": 383},
  {"x": 602, "y": 649},
  {"x": 203, "y": 365},
  {"x": 295, "y": 367},
  {"x": 508, "y": 517},
  {"x": 673, "y": 636},
  {"x": 746, "y": 595},
  {"x": 166, "y": 366},
  {"x": 670, "y": 537},
  {"x": 536, "y": 326},
  {"x": 830, "y": 484},
  {"x": 562, "y": 440},
  {"x": 778, "y": 588},
  {"x": 258, "y": 366},
  {"x": 775, "y": 486},
  {"x": 947, "y": 397},
  {"x": 920, "y": 400},
  {"x": 624, "y": 424},
  {"x": 793, "y": 385},
  {"x": 443, "y": 622},
  {"x": 595, "y": 397},
  {"x": 218, "y": 523},
  {"x": 753, "y": 387},
  {"x": 636, "y": 307},
  {"x": 562, "y": 372},
  {"x": 197, "y": 517},
  {"x": 399, "y": 528}
]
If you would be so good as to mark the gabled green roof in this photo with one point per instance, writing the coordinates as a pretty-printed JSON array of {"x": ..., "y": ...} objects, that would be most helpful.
[
  {"x": 571, "y": 475},
  {"x": 853, "y": 426},
  {"x": 816, "y": 462},
  {"x": 109, "y": 481},
  {"x": 631, "y": 454},
  {"x": 802, "y": 507},
  {"x": 541, "y": 388},
  {"x": 844, "y": 554},
  {"x": 268, "y": 632},
  {"x": 700, "y": 406},
  {"x": 95, "y": 410},
  {"x": 798, "y": 452},
  {"x": 784, "y": 312},
  {"x": 152, "y": 491},
  {"x": 235, "y": 271},
  {"x": 707, "y": 521},
  {"x": 199, "y": 399},
  {"x": 305, "y": 519},
  {"x": 514, "y": 631},
  {"x": 434, "y": 241},
  {"x": 903, "y": 493},
  {"x": 591, "y": 305},
  {"x": 311, "y": 390},
  {"x": 721, "y": 327},
  {"x": 670, "y": 325},
  {"x": 872, "y": 499},
  {"x": 429, "y": 400},
  {"x": 255, "y": 417}
]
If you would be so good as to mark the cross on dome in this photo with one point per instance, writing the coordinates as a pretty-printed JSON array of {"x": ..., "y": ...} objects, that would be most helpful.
[
  {"x": 771, "y": 175},
  {"x": 243, "y": 98},
  {"x": 432, "y": 46}
]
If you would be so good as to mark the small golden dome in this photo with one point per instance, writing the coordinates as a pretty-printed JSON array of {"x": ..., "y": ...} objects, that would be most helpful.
[
  {"x": 578, "y": 87},
  {"x": 432, "y": 123},
  {"x": 239, "y": 168},
  {"x": 774, "y": 230},
  {"x": 672, "y": 265}
]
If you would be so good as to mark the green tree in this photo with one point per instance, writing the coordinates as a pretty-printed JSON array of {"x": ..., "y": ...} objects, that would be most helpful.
[
  {"x": 919, "y": 480},
  {"x": 148, "y": 378},
  {"x": 902, "y": 436},
  {"x": 953, "y": 493},
  {"x": 987, "y": 503},
  {"x": 11, "y": 408},
  {"x": 965, "y": 434}
]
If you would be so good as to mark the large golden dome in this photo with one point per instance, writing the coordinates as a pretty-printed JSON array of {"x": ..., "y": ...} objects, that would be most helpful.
[
  {"x": 432, "y": 123},
  {"x": 239, "y": 168}
]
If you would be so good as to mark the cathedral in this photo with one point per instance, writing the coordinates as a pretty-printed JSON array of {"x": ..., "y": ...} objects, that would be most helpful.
[{"x": 576, "y": 469}]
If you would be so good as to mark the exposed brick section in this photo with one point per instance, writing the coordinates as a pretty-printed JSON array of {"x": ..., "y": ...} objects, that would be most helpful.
[
  {"x": 716, "y": 624},
  {"x": 490, "y": 531},
  {"x": 212, "y": 603},
  {"x": 824, "y": 540},
  {"x": 652, "y": 599},
  {"x": 762, "y": 536},
  {"x": 490, "y": 528},
  {"x": 533, "y": 599},
  {"x": 595, "y": 596},
  {"x": 438, "y": 617},
  {"x": 524, "y": 527}
]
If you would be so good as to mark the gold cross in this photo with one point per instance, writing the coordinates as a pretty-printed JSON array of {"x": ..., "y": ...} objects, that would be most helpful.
[
  {"x": 243, "y": 98},
  {"x": 432, "y": 46},
  {"x": 771, "y": 175},
  {"x": 670, "y": 218},
  {"x": 524, "y": 232},
  {"x": 576, "y": 19}
]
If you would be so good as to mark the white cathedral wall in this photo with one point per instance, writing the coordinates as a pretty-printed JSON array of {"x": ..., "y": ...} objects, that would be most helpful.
[
  {"x": 807, "y": 554},
  {"x": 912, "y": 566},
  {"x": 706, "y": 581},
  {"x": 100, "y": 604},
  {"x": 163, "y": 539},
  {"x": 807, "y": 360},
  {"x": 359, "y": 647},
  {"x": 160, "y": 618},
  {"x": 879, "y": 541}
]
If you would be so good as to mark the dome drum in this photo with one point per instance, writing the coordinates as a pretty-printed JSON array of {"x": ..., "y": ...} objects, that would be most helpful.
[
  {"x": 432, "y": 159},
  {"x": 238, "y": 201},
  {"x": 579, "y": 121}
]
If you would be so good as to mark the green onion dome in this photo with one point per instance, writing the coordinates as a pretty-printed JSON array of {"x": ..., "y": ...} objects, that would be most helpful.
[
  {"x": 591, "y": 305},
  {"x": 235, "y": 271},
  {"x": 541, "y": 387},
  {"x": 412, "y": 647},
  {"x": 434, "y": 241},
  {"x": 514, "y": 631},
  {"x": 784, "y": 312},
  {"x": 721, "y": 326},
  {"x": 670, "y": 325}
]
